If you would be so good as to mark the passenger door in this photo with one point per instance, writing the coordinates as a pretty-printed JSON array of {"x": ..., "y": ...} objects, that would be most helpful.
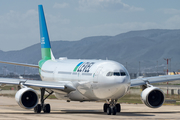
[{"x": 96, "y": 74}]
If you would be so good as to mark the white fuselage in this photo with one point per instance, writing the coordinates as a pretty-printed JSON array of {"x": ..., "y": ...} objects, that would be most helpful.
[{"x": 93, "y": 79}]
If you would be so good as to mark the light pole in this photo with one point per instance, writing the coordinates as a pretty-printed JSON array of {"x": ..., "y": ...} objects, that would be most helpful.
[{"x": 167, "y": 59}]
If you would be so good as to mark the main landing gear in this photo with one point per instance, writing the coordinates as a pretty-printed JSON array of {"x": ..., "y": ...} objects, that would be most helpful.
[
  {"x": 111, "y": 107},
  {"x": 45, "y": 107}
]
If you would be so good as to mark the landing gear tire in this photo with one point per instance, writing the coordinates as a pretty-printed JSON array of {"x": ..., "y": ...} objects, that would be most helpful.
[
  {"x": 114, "y": 110},
  {"x": 37, "y": 109},
  {"x": 112, "y": 107},
  {"x": 118, "y": 107},
  {"x": 109, "y": 111},
  {"x": 106, "y": 105},
  {"x": 46, "y": 108}
]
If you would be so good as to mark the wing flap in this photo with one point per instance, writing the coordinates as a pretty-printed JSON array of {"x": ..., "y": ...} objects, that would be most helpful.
[
  {"x": 45, "y": 84},
  {"x": 157, "y": 79}
]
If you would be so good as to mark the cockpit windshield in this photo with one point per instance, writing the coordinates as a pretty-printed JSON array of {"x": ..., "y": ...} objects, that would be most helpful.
[{"x": 121, "y": 73}]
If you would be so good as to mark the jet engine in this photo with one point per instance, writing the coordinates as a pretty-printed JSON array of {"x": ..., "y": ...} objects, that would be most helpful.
[
  {"x": 26, "y": 98},
  {"x": 152, "y": 97}
]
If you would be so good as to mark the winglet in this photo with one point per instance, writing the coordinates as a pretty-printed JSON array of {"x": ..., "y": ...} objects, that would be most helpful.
[{"x": 44, "y": 37}]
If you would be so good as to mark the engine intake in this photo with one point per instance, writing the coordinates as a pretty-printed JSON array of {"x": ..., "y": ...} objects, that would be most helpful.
[
  {"x": 26, "y": 98},
  {"x": 152, "y": 97}
]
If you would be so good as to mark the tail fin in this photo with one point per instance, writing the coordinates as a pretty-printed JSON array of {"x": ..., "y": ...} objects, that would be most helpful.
[{"x": 44, "y": 37}]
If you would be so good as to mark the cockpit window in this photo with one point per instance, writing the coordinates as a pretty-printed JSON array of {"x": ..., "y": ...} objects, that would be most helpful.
[
  {"x": 121, "y": 73},
  {"x": 117, "y": 74},
  {"x": 109, "y": 74}
]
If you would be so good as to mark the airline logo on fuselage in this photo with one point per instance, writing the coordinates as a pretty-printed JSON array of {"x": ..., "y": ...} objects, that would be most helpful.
[{"x": 83, "y": 67}]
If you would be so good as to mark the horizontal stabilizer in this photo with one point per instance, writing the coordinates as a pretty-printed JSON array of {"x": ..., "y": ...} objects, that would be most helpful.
[{"x": 20, "y": 64}]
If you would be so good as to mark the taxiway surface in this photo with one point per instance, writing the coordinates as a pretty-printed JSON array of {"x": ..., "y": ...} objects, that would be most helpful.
[{"x": 60, "y": 110}]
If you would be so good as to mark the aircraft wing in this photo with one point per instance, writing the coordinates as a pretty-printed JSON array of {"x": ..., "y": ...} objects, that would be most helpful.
[
  {"x": 20, "y": 64},
  {"x": 150, "y": 80},
  {"x": 63, "y": 86}
]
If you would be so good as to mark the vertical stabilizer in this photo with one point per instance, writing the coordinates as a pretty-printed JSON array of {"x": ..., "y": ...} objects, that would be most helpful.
[{"x": 44, "y": 37}]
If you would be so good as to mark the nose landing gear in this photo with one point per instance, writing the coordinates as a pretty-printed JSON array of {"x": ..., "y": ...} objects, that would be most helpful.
[{"x": 111, "y": 107}]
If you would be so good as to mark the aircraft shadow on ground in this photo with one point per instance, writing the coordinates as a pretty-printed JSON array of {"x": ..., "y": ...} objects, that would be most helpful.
[
  {"x": 95, "y": 112},
  {"x": 143, "y": 113},
  {"x": 121, "y": 113}
]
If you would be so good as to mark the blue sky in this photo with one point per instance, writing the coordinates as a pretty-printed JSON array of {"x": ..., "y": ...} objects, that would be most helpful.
[{"x": 76, "y": 19}]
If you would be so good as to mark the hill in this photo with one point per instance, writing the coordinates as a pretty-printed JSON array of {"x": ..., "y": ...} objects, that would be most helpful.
[{"x": 145, "y": 47}]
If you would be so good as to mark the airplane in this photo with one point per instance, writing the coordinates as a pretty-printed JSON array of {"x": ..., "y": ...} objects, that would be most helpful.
[{"x": 81, "y": 80}]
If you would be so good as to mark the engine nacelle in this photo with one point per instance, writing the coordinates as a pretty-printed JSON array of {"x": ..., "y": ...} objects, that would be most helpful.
[
  {"x": 27, "y": 98},
  {"x": 153, "y": 97}
]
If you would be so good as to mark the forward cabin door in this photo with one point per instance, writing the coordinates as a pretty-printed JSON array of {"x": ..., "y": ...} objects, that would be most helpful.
[{"x": 96, "y": 74}]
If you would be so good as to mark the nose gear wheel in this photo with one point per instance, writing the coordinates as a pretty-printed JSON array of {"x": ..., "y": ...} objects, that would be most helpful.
[{"x": 111, "y": 107}]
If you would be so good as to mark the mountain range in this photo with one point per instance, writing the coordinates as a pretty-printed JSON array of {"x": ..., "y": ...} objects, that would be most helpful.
[{"x": 139, "y": 51}]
